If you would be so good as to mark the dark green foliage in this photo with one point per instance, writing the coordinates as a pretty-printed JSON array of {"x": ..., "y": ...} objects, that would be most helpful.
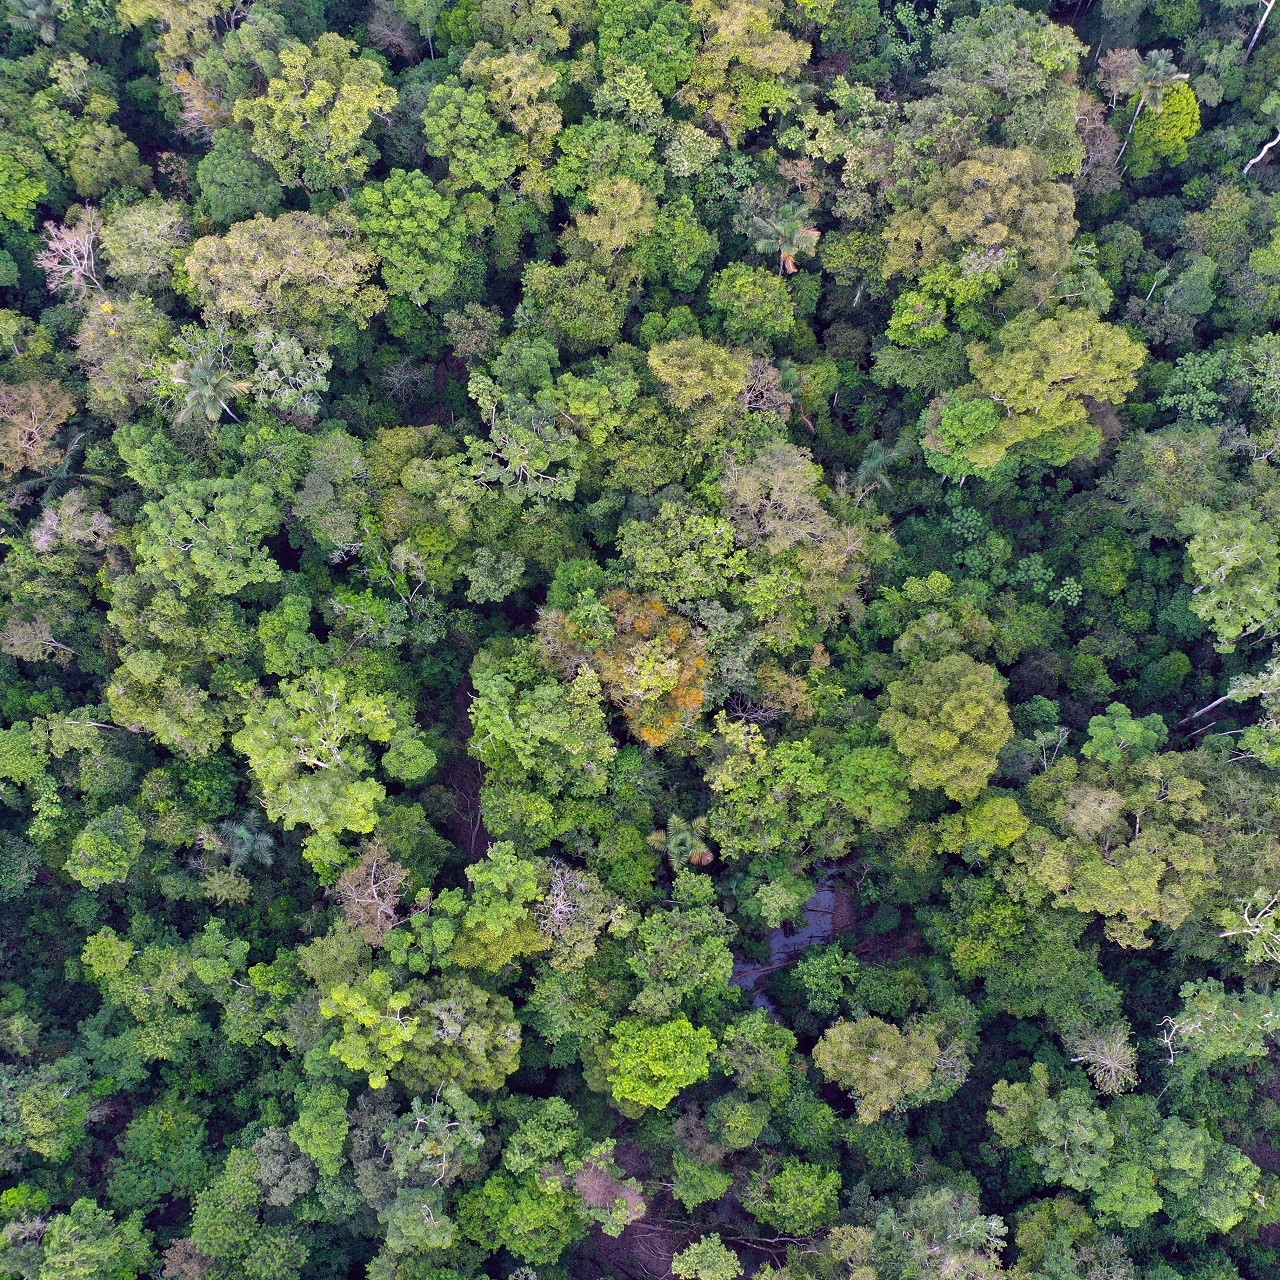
[{"x": 637, "y": 637}]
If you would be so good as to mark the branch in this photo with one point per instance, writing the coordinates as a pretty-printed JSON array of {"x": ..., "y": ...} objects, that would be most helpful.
[{"x": 1244, "y": 173}]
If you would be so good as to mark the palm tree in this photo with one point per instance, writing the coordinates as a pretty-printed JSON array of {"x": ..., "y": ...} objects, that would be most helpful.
[
  {"x": 786, "y": 235},
  {"x": 35, "y": 15},
  {"x": 1150, "y": 78},
  {"x": 53, "y": 481},
  {"x": 210, "y": 384},
  {"x": 682, "y": 841}
]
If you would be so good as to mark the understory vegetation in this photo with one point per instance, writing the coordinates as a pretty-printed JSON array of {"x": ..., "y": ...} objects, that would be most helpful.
[{"x": 638, "y": 639}]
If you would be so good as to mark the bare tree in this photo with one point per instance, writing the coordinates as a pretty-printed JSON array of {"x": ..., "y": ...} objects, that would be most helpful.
[
  {"x": 369, "y": 893},
  {"x": 69, "y": 258}
]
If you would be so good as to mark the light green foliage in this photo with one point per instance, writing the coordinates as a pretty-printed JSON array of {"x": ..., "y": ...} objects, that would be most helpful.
[
  {"x": 876, "y": 1061},
  {"x": 107, "y": 849},
  {"x": 1233, "y": 558},
  {"x": 321, "y": 1128},
  {"x": 460, "y": 129},
  {"x": 1117, "y": 734},
  {"x": 375, "y": 1026},
  {"x": 796, "y": 1198},
  {"x": 742, "y": 67},
  {"x": 1214, "y": 1024},
  {"x": 703, "y": 382},
  {"x": 1162, "y": 132},
  {"x": 707, "y": 1259},
  {"x": 22, "y": 192},
  {"x": 868, "y": 784},
  {"x": 310, "y": 125},
  {"x": 753, "y": 302},
  {"x": 143, "y": 242},
  {"x": 767, "y": 798},
  {"x": 298, "y": 272},
  {"x": 1129, "y": 848},
  {"x": 948, "y": 722},
  {"x": 648, "y": 1064},
  {"x": 535, "y": 1222},
  {"x": 939, "y": 1232},
  {"x": 206, "y": 536},
  {"x": 1037, "y": 373},
  {"x": 307, "y": 748},
  {"x": 999, "y": 203},
  {"x": 498, "y": 925},
  {"x": 85, "y": 1243}
]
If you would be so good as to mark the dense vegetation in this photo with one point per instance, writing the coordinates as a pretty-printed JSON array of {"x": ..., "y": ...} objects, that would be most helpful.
[{"x": 636, "y": 639}]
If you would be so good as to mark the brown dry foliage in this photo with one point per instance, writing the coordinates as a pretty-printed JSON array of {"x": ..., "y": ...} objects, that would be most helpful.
[
  {"x": 30, "y": 415},
  {"x": 368, "y": 892}
]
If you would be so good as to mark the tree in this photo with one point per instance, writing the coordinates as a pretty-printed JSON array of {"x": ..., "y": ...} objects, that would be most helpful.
[
  {"x": 876, "y": 1061},
  {"x": 577, "y": 307},
  {"x": 121, "y": 345},
  {"x": 31, "y": 414},
  {"x": 142, "y": 243},
  {"x": 938, "y": 1233},
  {"x": 1123, "y": 843},
  {"x": 207, "y": 535},
  {"x": 227, "y": 1226},
  {"x": 311, "y": 122},
  {"x": 703, "y": 382},
  {"x": 754, "y": 304},
  {"x": 86, "y": 1243},
  {"x": 299, "y": 272},
  {"x": 369, "y": 893},
  {"x": 497, "y": 926},
  {"x": 741, "y": 67},
  {"x": 460, "y": 129},
  {"x": 204, "y": 385},
  {"x": 651, "y": 663},
  {"x": 69, "y": 257},
  {"x": 107, "y": 849},
  {"x": 1117, "y": 734},
  {"x": 654, "y": 35},
  {"x": 307, "y": 749},
  {"x": 768, "y": 799},
  {"x": 1162, "y": 134},
  {"x": 234, "y": 184},
  {"x": 1150, "y": 78},
  {"x": 795, "y": 1197},
  {"x": 996, "y": 212},
  {"x": 948, "y": 723},
  {"x": 1039, "y": 375},
  {"x": 647, "y": 1064},
  {"x": 418, "y": 234},
  {"x": 682, "y": 956},
  {"x": 707, "y": 1259},
  {"x": 545, "y": 745},
  {"x": 1233, "y": 557},
  {"x": 784, "y": 230}
]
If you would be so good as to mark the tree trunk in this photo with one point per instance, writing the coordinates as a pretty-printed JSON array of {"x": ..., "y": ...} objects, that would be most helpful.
[{"x": 1257, "y": 31}]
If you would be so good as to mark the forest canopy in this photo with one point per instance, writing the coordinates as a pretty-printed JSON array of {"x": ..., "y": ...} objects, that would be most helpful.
[{"x": 638, "y": 639}]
